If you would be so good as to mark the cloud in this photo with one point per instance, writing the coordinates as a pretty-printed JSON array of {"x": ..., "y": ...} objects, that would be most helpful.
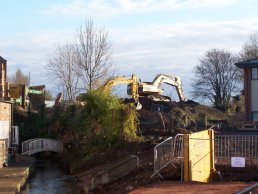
[
  {"x": 176, "y": 48},
  {"x": 29, "y": 52},
  {"x": 172, "y": 48},
  {"x": 105, "y": 8}
]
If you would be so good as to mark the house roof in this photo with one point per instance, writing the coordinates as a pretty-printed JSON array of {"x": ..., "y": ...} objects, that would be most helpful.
[
  {"x": 2, "y": 60},
  {"x": 249, "y": 63},
  {"x": 6, "y": 101}
]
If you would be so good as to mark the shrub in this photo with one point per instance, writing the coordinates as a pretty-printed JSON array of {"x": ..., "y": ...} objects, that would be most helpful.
[{"x": 105, "y": 121}]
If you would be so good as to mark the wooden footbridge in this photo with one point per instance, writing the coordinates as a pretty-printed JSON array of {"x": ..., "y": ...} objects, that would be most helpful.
[{"x": 37, "y": 145}]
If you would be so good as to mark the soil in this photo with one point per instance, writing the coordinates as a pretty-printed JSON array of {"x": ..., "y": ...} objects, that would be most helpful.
[{"x": 154, "y": 127}]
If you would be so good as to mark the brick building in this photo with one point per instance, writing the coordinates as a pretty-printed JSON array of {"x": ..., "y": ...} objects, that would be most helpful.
[
  {"x": 3, "y": 83},
  {"x": 250, "y": 68}
]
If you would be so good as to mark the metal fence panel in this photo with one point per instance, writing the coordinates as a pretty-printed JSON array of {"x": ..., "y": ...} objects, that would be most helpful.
[
  {"x": 168, "y": 152},
  {"x": 227, "y": 146}
]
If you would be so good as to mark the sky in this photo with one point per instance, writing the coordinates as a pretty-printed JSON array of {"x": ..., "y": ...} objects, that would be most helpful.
[{"x": 149, "y": 37}]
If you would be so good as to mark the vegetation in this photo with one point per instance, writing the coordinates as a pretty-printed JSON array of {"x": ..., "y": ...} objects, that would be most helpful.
[
  {"x": 250, "y": 48},
  {"x": 103, "y": 122},
  {"x": 217, "y": 78},
  {"x": 193, "y": 118},
  {"x": 19, "y": 78},
  {"x": 84, "y": 64}
]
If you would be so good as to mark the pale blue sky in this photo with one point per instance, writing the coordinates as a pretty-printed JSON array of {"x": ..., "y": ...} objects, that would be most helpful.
[{"x": 149, "y": 36}]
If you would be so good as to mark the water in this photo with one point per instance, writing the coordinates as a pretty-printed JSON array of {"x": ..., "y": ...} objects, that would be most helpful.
[{"x": 50, "y": 179}]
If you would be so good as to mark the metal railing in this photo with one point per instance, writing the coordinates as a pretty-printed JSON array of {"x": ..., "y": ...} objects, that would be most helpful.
[
  {"x": 33, "y": 146},
  {"x": 170, "y": 151},
  {"x": 248, "y": 190},
  {"x": 227, "y": 146}
]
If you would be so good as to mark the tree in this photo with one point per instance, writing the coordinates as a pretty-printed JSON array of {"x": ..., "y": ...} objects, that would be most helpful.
[
  {"x": 62, "y": 66},
  {"x": 82, "y": 65},
  {"x": 94, "y": 51},
  {"x": 216, "y": 78},
  {"x": 19, "y": 78},
  {"x": 250, "y": 48}
]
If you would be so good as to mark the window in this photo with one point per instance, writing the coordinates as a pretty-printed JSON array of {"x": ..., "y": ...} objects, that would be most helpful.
[
  {"x": 254, "y": 73},
  {"x": 255, "y": 116}
]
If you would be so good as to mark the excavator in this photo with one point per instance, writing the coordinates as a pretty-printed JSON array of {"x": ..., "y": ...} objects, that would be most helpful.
[
  {"x": 132, "y": 90},
  {"x": 154, "y": 88},
  {"x": 150, "y": 89}
]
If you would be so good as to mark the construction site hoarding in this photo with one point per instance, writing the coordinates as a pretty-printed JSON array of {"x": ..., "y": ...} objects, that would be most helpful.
[{"x": 199, "y": 156}]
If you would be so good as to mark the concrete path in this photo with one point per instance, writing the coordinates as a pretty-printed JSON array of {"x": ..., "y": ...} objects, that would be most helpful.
[
  {"x": 192, "y": 188},
  {"x": 14, "y": 177}
]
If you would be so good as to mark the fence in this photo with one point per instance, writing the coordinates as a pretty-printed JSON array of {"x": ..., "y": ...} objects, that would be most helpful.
[
  {"x": 243, "y": 146},
  {"x": 168, "y": 152},
  {"x": 227, "y": 146},
  {"x": 171, "y": 150}
]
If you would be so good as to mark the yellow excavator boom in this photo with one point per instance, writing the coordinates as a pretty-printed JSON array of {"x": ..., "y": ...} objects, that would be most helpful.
[{"x": 133, "y": 91}]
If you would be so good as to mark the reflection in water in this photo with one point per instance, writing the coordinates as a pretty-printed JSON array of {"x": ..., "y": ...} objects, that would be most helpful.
[{"x": 50, "y": 179}]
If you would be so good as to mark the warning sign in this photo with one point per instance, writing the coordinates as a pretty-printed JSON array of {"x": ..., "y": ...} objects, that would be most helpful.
[{"x": 238, "y": 162}]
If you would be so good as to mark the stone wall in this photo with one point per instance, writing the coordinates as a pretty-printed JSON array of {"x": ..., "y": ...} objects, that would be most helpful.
[
  {"x": 3, "y": 152},
  {"x": 5, "y": 127},
  {"x": 115, "y": 170}
]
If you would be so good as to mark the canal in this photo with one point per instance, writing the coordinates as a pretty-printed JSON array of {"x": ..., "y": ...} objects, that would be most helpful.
[{"x": 49, "y": 178}]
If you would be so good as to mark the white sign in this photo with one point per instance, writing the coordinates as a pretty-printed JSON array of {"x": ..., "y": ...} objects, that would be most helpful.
[{"x": 237, "y": 162}]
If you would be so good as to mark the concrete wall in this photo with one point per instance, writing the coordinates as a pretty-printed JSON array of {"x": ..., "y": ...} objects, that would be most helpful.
[{"x": 115, "y": 171}]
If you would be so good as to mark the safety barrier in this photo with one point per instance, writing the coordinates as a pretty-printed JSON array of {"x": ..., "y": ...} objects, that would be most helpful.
[
  {"x": 33, "y": 146},
  {"x": 227, "y": 146},
  {"x": 170, "y": 151}
]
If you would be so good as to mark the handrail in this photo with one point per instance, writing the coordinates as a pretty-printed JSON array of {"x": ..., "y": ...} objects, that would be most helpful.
[
  {"x": 32, "y": 146},
  {"x": 248, "y": 189}
]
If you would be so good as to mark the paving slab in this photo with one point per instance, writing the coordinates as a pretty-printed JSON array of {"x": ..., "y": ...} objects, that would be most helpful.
[{"x": 14, "y": 177}]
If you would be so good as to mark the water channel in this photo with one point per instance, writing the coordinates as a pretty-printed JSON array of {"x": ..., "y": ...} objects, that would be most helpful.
[{"x": 49, "y": 178}]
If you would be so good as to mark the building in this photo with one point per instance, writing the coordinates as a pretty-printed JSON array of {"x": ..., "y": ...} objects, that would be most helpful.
[
  {"x": 6, "y": 121},
  {"x": 250, "y": 68},
  {"x": 3, "y": 81}
]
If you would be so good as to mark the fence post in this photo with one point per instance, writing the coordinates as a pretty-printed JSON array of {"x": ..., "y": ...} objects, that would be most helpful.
[
  {"x": 212, "y": 158},
  {"x": 186, "y": 157}
]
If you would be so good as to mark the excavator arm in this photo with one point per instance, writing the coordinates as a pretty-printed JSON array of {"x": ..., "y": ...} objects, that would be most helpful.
[
  {"x": 154, "y": 87},
  {"x": 124, "y": 80}
]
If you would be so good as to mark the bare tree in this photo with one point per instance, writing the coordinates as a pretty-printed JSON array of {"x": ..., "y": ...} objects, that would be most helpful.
[
  {"x": 94, "y": 52},
  {"x": 250, "y": 48},
  {"x": 216, "y": 78},
  {"x": 62, "y": 66},
  {"x": 19, "y": 78}
]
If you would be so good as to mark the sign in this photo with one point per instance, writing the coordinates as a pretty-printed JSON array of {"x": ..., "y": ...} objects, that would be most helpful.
[
  {"x": 238, "y": 162},
  {"x": 32, "y": 91}
]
